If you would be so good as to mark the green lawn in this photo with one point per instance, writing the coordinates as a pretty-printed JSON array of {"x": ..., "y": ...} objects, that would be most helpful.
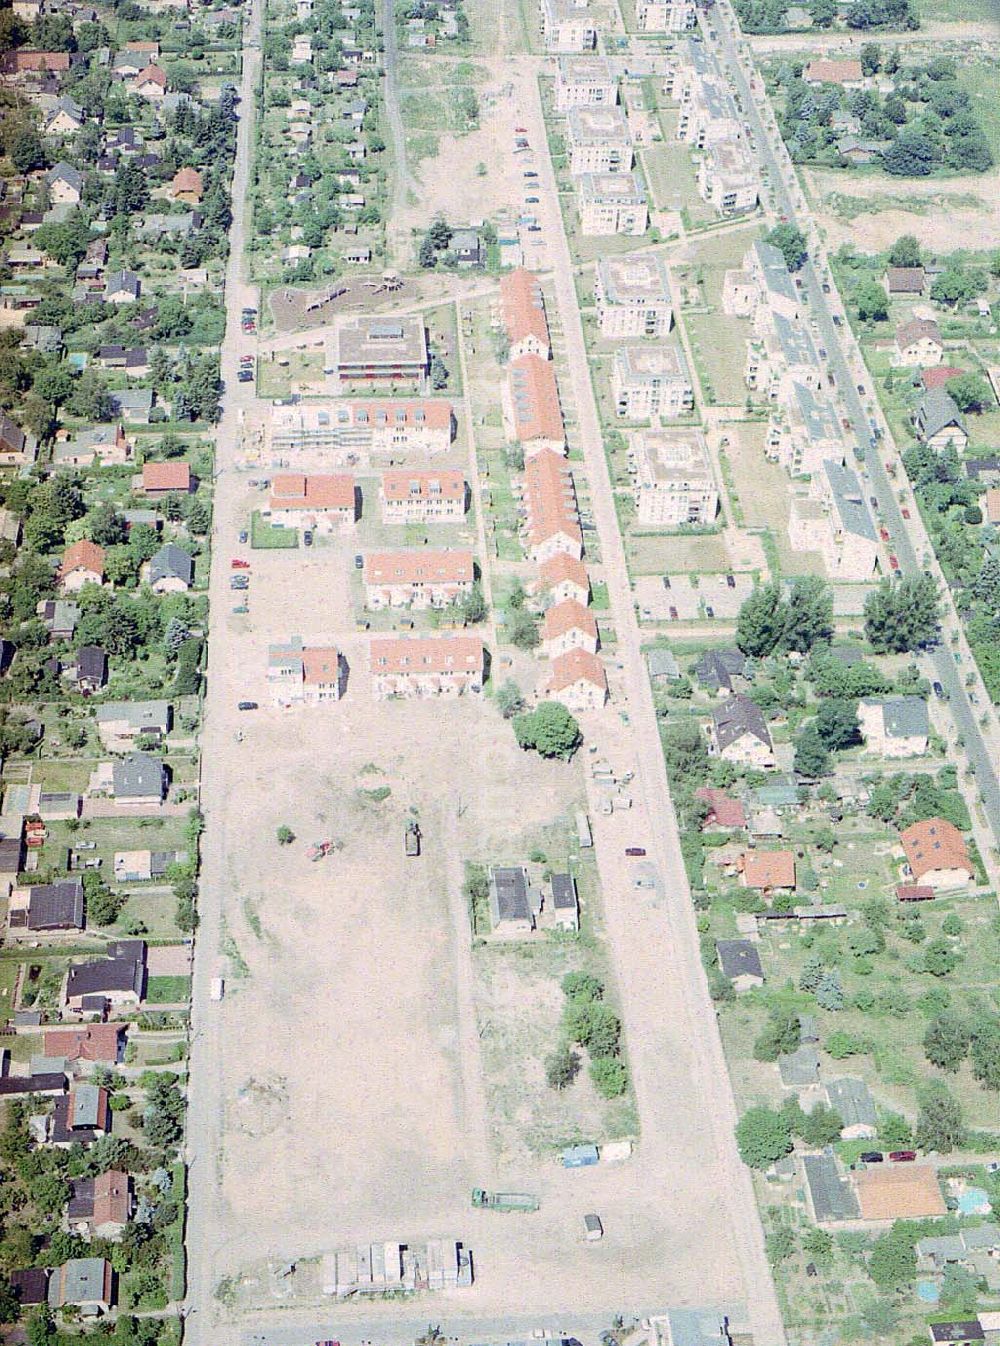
[
  {"x": 168, "y": 990},
  {"x": 264, "y": 537}
]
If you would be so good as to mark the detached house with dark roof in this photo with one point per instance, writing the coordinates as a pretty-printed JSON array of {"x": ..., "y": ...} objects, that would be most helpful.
[
  {"x": 938, "y": 421},
  {"x": 510, "y": 901},
  {"x": 49, "y": 908},
  {"x": 171, "y": 571},
  {"x": 739, "y": 733},
  {"x": 896, "y": 726},
  {"x": 118, "y": 980},
  {"x": 718, "y": 670},
  {"x": 139, "y": 780},
  {"x": 740, "y": 962}
]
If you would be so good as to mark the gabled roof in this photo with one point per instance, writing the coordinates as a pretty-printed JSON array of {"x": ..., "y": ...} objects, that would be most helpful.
[
  {"x": 724, "y": 811},
  {"x": 56, "y": 906},
  {"x": 83, "y": 555},
  {"x": 905, "y": 279},
  {"x": 522, "y": 307},
  {"x": 561, "y": 568},
  {"x": 509, "y": 894},
  {"x": 717, "y": 668},
  {"x": 418, "y": 565},
  {"x": 934, "y": 844},
  {"x": 171, "y": 562},
  {"x": 739, "y": 958},
  {"x": 902, "y": 716},
  {"x": 769, "y": 869},
  {"x": 168, "y": 476},
  {"x": 139, "y": 776},
  {"x": 937, "y": 411},
  {"x": 534, "y": 398},
  {"x": 736, "y": 717},
  {"x": 918, "y": 329},
  {"x": 851, "y": 1099},
  {"x": 566, "y": 616},
  {"x": 577, "y": 666}
]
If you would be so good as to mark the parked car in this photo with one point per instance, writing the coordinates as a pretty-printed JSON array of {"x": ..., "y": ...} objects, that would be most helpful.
[
  {"x": 873, "y": 502},
  {"x": 709, "y": 611},
  {"x": 883, "y": 533},
  {"x": 826, "y": 287},
  {"x": 245, "y": 376},
  {"x": 247, "y": 705},
  {"x": 531, "y": 200},
  {"x": 307, "y": 537},
  {"x": 938, "y": 690},
  {"x": 635, "y": 851},
  {"x": 666, "y": 581},
  {"x": 238, "y": 563},
  {"x": 244, "y": 535},
  {"x": 902, "y": 1156},
  {"x": 893, "y": 562},
  {"x": 359, "y": 562},
  {"x": 239, "y": 582},
  {"x": 731, "y": 581},
  {"x": 673, "y": 614},
  {"x": 871, "y": 1156},
  {"x": 861, "y": 389},
  {"x": 905, "y": 513}
]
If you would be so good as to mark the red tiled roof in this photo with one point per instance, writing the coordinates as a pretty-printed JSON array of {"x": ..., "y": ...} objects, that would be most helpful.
[
  {"x": 768, "y": 869},
  {"x": 549, "y": 497},
  {"x": 939, "y": 376},
  {"x": 418, "y": 565},
  {"x": 833, "y": 72},
  {"x": 187, "y": 180},
  {"x": 724, "y": 811},
  {"x": 401, "y": 484},
  {"x": 429, "y": 654},
  {"x": 575, "y": 666},
  {"x": 83, "y": 555},
  {"x": 566, "y": 616},
  {"x": 152, "y": 75},
  {"x": 294, "y": 490},
  {"x": 562, "y": 567},
  {"x": 434, "y": 412},
  {"x": 92, "y": 1042},
  {"x": 523, "y": 308},
  {"x": 933, "y": 844},
  {"x": 534, "y": 398},
  {"x": 170, "y": 476},
  {"x": 917, "y": 329},
  {"x": 320, "y": 665}
]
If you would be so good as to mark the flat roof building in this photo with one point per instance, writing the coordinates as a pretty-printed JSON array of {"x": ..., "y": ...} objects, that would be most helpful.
[
  {"x": 654, "y": 380},
  {"x": 633, "y": 296},
  {"x": 383, "y": 349},
  {"x": 674, "y": 485}
]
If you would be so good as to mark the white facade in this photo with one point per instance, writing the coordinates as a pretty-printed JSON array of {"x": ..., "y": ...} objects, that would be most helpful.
[
  {"x": 674, "y": 485},
  {"x": 648, "y": 381},
  {"x": 599, "y": 140},
  {"x": 587, "y": 81},
  {"x": 665, "y": 16},
  {"x": 633, "y": 297},
  {"x": 727, "y": 179},
  {"x": 567, "y": 27},
  {"x": 611, "y": 203}
]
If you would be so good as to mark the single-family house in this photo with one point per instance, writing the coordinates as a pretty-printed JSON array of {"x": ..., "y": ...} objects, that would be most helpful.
[
  {"x": 85, "y": 1282},
  {"x": 100, "y": 1207},
  {"x": 896, "y": 726},
  {"x": 65, "y": 119},
  {"x": 568, "y": 626},
  {"x": 321, "y": 502},
  {"x": 30, "y": 1286},
  {"x": 117, "y": 980},
  {"x": 187, "y": 186},
  {"x": 48, "y": 908},
  {"x": 739, "y": 733},
  {"x": 938, "y": 421},
  {"x": 65, "y": 184},
  {"x": 899, "y": 1192},
  {"x": 919, "y": 343},
  {"x": 166, "y": 478},
  {"x": 721, "y": 670},
  {"x": 768, "y": 871},
  {"x": 723, "y": 810},
  {"x": 150, "y": 83},
  {"x": 304, "y": 676},
  {"x": 936, "y": 854},
  {"x": 740, "y": 962},
  {"x": 565, "y": 902},
  {"x": 120, "y": 723},
  {"x": 853, "y": 1103},
  {"x": 847, "y": 73},
  {"x": 171, "y": 570},
  {"x": 122, "y": 287},
  {"x": 510, "y": 901},
  {"x": 82, "y": 563},
  {"x": 91, "y": 669},
  {"x": 81, "y": 1116},
  {"x": 103, "y": 1042},
  {"x": 139, "y": 780},
  {"x": 904, "y": 280}
]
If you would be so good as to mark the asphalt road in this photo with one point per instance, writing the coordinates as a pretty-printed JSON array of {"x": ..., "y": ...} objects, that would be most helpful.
[{"x": 909, "y": 540}]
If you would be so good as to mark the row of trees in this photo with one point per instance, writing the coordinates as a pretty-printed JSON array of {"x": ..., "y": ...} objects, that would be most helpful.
[{"x": 588, "y": 1022}]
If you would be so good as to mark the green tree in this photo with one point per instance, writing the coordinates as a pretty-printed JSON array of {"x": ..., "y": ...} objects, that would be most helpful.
[
  {"x": 10, "y": 1307},
  {"x": 940, "y": 1124},
  {"x": 808, "y": 617},
  {"x": 871, "y": 301},
  {"x": 285, "y": 835},
  {"x": 894, "y": 1131},
  {"x": 780, "y": 1245},
  {"x": 609, "y": 1075},
  {"x": 871, "y": 58},
  {"x": 822, "y": 1126},
  {"x": 940, "y": 958},
  {"x": 830, "y": 991},
  {"x": 763, "y": 1137},
  {"x": 779, "y": 1036},
  {"x": 946, "y": 1042},
  {"x": 524, "y": 631},
  {"x": 561, "y": 1067},
  {"x": 811, "y": 755},
  {"x": 958, "y": 284},
  {"x": 439, "y": 373},
  {"x": 911, "y": 155},
  {"x": 790, "y": 242},
  {"x": 509, "y": 699},
  {"x": 582, "y": 986},
  {"x": 837, "y": 724},
  {"x": 473, "y": 605},
  {"x": 902, "y": 615},
  {"x": 905, "y": 252},
  {"x": 970, "y": 392},
  {"x": 892, "y": 1262},
  {"x": 960, "y": 1289},
  {"x": 549, "y": 729},
  {"x": 985, "y": 1051},
  {"x": 760, "y": 626}
]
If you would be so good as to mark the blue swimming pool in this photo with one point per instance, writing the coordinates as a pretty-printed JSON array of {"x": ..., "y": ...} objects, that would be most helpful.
[
  {"x": 928, "y": 1291},
  {"x": 973, "y": 1201}
]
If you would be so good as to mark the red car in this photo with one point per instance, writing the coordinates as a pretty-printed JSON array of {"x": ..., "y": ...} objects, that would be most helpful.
[
  {"x": 905, "y": 513},
  {"x": 673, "y": 614},
  {"x": 902, "y": 1156},
  {"x": 521, "y": 130},
  {"x": 893, "y": 563},
  {"x": 634, "y": 851},
  {"x": 884, "y": 534},
  {"x": 237, "y": 564}
]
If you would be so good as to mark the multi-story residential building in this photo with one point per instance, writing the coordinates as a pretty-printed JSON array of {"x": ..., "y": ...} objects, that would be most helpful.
[
  {"x": 522, "y": 315},
  {"x": 578, "y": 680},
  {"x": 633, "y": 296},
  {"x": 585, "y": 81},
  {"x": 568, "y": 626},
  {"x": 918, "y": 344},
  {"x": 649, "y": 381},
  {"x": 783, "y": 356},
  {"x": 761, "y": 289},
  {"x": 553, "y": 521},
  {"x": 423, "y": 497},
  {"x": 339, "y": 428},
  {"x": 531, "y": 411},
  {"x": 561, "y": 577},
  {"x": 834, "y": 520},
  {"x": 380, "y": 350},
  {"x": 665, "y": 16},
  {"x": 674, "y": 485},
  {"x": 426, "y": 666},
  {"x": 567, "y": 26},
  {"x": 727, "y": 178},
  {"x": 317, "y": 502},
  {"x": 803, "y": 432},
  {"x": 298, "y": 675},
  {"x": 599, "y": 140},
  {"x": 417, "y": 578},
  {"x": 611, "y": 203}
]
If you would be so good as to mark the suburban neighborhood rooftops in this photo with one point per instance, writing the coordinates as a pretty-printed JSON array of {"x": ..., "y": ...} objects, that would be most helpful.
[
  {"x": 103, "y": 1199},
  {"x": 831, "y": 1196},
  {"x": 426, "y": 654},
  {"x": 902, "y": 716},
  {"x": 138, "y": 715},
  {"x": 83, "y": 555},
  {"x": 769, "y": 869},
  {"x": 723, "y": 810},
  {"x": 853, "y": 1101},
  {"x": 55, "y": 906},
  {"x": 717, "y": 668},
  {"x": 563, "y": 892},
  {"x": 905, "y": 279},
  {"x": 509, "y": 894},
  {"x": 848, "y": 501},
  {"x": 918, "y": 329},
  {"x": 800, "y": 1068},
  {"x": 123, "y": 970},
  {"x": 566, "y": 616},
  {"x": 171, "y": 562},
  {"x": 522, "y": 308},
  {"x": 138, "y": 776},
  {"x": 576, "y": 666},
  {"x": 934, "y": 844},
  {"x": 561, "y": 568},
  {"x": 83, "y": 1280},
  {"x": 937, "y": 410},
  {"x": 172, "y": 475},
  {"x": 90, "y": 1042}
]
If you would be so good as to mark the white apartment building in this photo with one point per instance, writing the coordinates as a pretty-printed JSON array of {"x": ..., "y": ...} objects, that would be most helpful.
[
  {"x": 633, "y": 296},
  {"x": 301, "y": 676},
  {"x": 804, "y": 432},
  {"x": 648, "y": 381},
  {"x": 599, "y": 140},
  {"x": 727, "y": 179},
  {"x": 423, "y": 497},
  {"x": 416, "y": 577},
  {"x": 674, "y": 484},
  {"x": 665, "y": 16},
  {"x": 585, "y": 81},
  {"x": 834, "y": 520},
  {"x": 333, "y": 430},
  {"x": 611, "y": 203},
  {"x": 761, "y": 289},
  {"x": 567, "y": 26},
  {"x": 781, "y": 357}
]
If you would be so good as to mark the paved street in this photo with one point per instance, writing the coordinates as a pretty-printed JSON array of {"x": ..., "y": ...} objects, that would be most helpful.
[{"x": 909, "y": 539}]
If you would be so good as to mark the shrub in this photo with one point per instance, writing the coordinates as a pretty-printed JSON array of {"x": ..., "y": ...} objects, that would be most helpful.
[{"x": 609, "y": 1075}]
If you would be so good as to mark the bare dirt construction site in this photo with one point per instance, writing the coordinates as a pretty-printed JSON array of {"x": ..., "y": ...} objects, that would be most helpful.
[{"x": 359, "y": 1095}]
